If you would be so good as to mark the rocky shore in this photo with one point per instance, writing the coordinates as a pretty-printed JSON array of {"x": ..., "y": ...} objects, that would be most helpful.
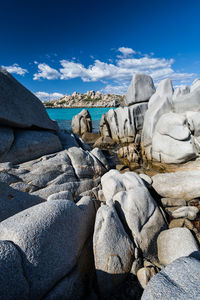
[
  {"x": 73, "y": 225},
  {"x": 89, "y": 99}
]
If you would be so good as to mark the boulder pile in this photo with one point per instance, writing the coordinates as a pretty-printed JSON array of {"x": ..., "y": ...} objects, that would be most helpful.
[{"x": 72, "y": 227}]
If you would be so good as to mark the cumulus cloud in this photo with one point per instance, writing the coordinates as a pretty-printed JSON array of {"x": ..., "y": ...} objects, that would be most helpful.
[
  {"x": 118, "y": 72},
  {"x": 122, "y": 70},
  {"x": 126, "y": 51},
  {"x": 115, "y": 89},
  {"x": 44, "y": 96},
  {"x": 46, "y": 72},
  {"x": 15, "y": 69}
]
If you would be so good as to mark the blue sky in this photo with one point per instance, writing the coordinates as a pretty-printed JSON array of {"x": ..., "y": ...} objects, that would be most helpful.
[{"x": 57, "y": 47}]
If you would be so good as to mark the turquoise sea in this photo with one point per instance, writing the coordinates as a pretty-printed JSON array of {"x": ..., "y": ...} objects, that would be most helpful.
[{"x": 64, "y": 115}]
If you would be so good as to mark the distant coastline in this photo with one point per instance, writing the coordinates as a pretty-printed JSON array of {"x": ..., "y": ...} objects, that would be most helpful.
[
  {"x": 85, "y": 106},
  {"x": 87, "y": 100}
]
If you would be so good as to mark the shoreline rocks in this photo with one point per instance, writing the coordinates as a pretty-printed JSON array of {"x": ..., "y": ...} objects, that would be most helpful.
[{"x": 74, "y": 227}]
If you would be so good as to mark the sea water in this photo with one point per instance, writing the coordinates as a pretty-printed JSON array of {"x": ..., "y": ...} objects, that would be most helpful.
[{"x": 64, "y": 115}]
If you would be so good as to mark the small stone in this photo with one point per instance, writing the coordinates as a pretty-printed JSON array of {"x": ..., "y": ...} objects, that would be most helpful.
[
  {"x": 144, "y": 275},
  {"x": 176, "y": 223},
  {"x": 189, "y": 212},
  {"x": 101, "y": 196}
]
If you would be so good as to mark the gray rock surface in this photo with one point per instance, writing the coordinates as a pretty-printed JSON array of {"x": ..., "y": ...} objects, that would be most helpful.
[
  {"x": 13, "y": 283},
  {"x": 19, "y": 107},
  {"x": 77, "y": 284},
  {"x": 179, "y": 280},
  {"x": 164, "y": 89},
  {"x": 136, "y": 208},
  {"x": 98, "y": 154},
  {"x": 193, "y": 119},
  {"x": 31, "y": 144},
  {"x": 180, "y": 91},
  {"x": 66, "y": 195},
  {"x": 50, "y": 237},
  {"x": 85, "y": 164},
  {"x": 172, "y": 141},
  {"x": 182, "y": 184},
  {"x": 188, "y": 102},
  {"x": 6, "y": 139},
  {"x": 153, "y": 114},
  {"x": 82, "y": 122},
  {"x": 174, "y": 243},
  {"x": 13, "y": 201},
  {"x": 140, "y": 89},
  {"x": 113, "y": 250},
  {"x": 56, "y": 173},
  {"x": 123, "y": 123}
]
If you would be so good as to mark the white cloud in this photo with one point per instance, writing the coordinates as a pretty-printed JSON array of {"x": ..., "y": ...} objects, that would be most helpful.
[
  {"x": 117, "y": 73},
  {"x": 44, "y": 96},
  {"x": 71, "y": 69},
  {"x": 15, "y": 69},
  {"x": 46, "y": 72},
  {"x": 126, "y": 51},
  {"x": 115, "y": 89},
  {"x": 122, "y": 70}
]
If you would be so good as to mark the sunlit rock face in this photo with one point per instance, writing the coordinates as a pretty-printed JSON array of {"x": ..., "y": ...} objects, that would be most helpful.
[
  {"x": 140, "y": 89},
  {"x": 171, "y": 132}
]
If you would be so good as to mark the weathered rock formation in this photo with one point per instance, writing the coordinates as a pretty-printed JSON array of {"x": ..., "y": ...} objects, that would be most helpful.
[
  {"x": 140, "y": 89},
  {"x": 26, "y": 131},
  {"x": 171, "y": 125},
  {"x": 70, "y": 228},
  {"x": 123, "y": 123},
  {"x": 82, "y": 123},
  {"x": 19, "y": 107}
]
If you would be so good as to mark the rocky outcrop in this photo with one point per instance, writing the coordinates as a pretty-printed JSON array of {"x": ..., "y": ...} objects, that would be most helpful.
[
  {"x": 26, "y": 131},
  {"x": 82, "y": 123},
  {"x": 72, "y": 229},
  {"x": 113, "y": 250},
  {"x": 89, "y": 99},
  {"x": 19, "y": 107},
  {"x": 171, "y": 125},
  {"x": 140, "y": 89},
  {"x": 136, "y": 208},
  {"x": 74, "y": 170},
  {"x": 123, "y": 123},
  {"x": 172, "y": 141}
]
